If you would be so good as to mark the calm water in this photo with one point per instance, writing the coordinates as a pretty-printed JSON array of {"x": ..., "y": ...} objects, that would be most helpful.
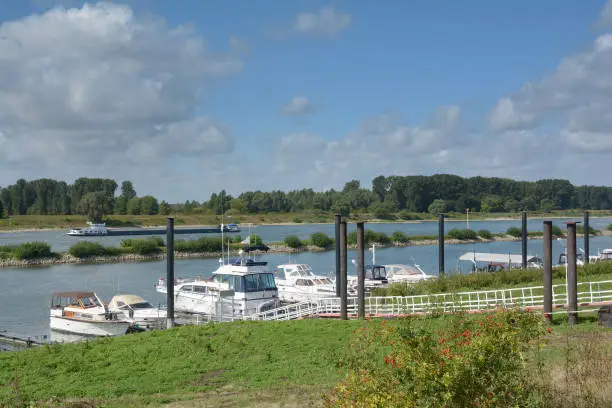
[
  {"x": 59, "y": 241},
  {"x": 25, "y": 293}
]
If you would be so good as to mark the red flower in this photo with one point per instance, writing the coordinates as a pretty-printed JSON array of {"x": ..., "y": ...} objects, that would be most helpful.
[{"x": 549, "y": 330}]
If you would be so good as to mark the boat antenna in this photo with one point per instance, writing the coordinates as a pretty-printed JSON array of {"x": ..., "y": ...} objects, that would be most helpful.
[{"x": 222, "y": 208}]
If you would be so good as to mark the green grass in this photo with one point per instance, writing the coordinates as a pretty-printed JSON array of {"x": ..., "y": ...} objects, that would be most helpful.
[
  {"x": 499, "y": 280},
  {"x": 306, "y": 217},
  {"x": 246, "y": 361}
]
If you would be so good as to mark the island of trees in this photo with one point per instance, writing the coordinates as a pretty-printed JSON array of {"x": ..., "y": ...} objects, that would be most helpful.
[{"x": 97, "y": 197}]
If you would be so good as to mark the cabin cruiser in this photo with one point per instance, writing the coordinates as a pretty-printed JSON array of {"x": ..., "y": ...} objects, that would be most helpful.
[
  {"x": 238, "y": 288},
  {"x": 375, "y": 277},
  {"x": 92, "y": 230},
  {"x": 605, "y": 255},
  {"x": 85, "y": 314},
  {"x": 397, "y": 273},
  {"x": 232, "y": 228},
  {"x": 298, "y": 283},
  {"x": 137, "y": 311}
]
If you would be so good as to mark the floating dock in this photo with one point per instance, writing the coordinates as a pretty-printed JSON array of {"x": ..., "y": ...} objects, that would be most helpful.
[{"x": 14, "y": 341}]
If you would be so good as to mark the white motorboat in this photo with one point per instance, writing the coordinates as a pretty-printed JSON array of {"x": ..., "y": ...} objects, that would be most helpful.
[
  {"x": 236, "y": 289},
  {"x": 605, "y": 255},
  {"x": 406, "y": 273},
  {"x": 92, "y": 230},
  {"x": 85, "y": 314},
  {"x": 491, "y": 262},
  {"x": 137, "y": 311},
  {"x": 300, "y": 284}
]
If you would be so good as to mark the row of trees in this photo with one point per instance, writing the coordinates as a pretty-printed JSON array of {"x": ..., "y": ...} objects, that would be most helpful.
[{"x": 435, "y": 194}]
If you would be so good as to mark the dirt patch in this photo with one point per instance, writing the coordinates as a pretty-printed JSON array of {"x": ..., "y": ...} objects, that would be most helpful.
[{"x": 273, "y": 398}]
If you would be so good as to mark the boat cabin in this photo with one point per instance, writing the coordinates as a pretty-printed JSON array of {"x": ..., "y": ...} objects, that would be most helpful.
[
  {"x": 79, "y": 300},
  {"x": 376, "y": 272}
]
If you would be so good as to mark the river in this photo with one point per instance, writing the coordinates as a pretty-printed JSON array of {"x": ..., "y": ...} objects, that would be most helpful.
[{"x": 25, "y": 293}]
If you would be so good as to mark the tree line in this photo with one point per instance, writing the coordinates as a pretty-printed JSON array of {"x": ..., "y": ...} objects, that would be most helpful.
[{"x": 438, "y": 193}]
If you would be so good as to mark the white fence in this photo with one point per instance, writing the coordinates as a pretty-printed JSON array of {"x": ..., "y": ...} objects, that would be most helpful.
[{"x": 589, "y": 293}]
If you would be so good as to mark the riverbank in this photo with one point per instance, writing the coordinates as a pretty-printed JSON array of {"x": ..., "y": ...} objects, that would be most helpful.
[
  {"x": 270, "y": 364},
  {"x": 119, "y": 255},
  {"x": 34, "y": 223}
]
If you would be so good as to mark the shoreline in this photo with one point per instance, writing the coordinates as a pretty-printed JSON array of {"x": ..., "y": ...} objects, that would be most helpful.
[
  {"x": 247, "y": 225},
  {"x": 275, "y": 248}
]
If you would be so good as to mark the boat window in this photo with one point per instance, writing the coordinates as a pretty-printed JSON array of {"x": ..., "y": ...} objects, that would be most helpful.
[
  {"x": 90, "y": 302},
  {"x": 142, "y": 305},
  {"x": 187, "y": 288},
  {"x": 199, "y": 289},
  {"x": 258, "y": 282},
  {"x": 236, "y": 283}
]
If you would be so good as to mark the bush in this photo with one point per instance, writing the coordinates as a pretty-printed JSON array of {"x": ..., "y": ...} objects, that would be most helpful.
[
  {"x": 320, "y": 240},
  {"x": 297, "y": 220},
  {"x": 485, "y": 234},
  {"x": 409, "y": 216},
  {"x": 201, "y": 245},
  {"x": 516, "y": 232},
  {"x": 146, "y": 246},
  {"x": 460, "y": 361},
  {"x": 609, "y": 227},
  {"x": 399, "y": 236},
  {"x": 556, "y": 231},
  {"x": 86, "y": 249},
  {"x": 32, "y": 250},
  {"x": 462, "y": 234},
  {"x": 592, "y": 231},
  {"x": 292, "y": 241}
]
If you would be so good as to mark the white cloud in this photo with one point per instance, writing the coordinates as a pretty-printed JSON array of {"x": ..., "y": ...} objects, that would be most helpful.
[
  {"x": 298, "y": 105},
  {"x": 605, "y": 17},
  {"x": 239, "y": 44},
  {"x": 99, "y": 85},
  {"x": 326, "y": 22}
]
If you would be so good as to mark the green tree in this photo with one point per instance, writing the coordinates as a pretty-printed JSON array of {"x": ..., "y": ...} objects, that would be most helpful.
[
  {"x": 437, "y": 207},
  {"x": 237, "y": 205},
  {"x": 95, "y": 205},
  {"x": 1, "y": 210},
  {"x": 120, "y": 205},
  {"x": 148, "y": 205},
  {"x": 133, "y": 206},
  {"x": 164, "y": 208},
  {"x": 127, "y": 190}
]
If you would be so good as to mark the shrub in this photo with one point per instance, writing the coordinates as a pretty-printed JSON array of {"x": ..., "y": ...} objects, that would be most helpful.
[
  {"x": 292, "y": 241},
  {"x": 609, "y": 227},
  {"x": 146, "y": 246},
  {"x": 556, "y": 231},
  {"x": 399, "y": 236},
  {"x": 201, "y": 245},
  {"x": 369, "y": 237},
  {"x": 32, "y": 250},
  {"x": 408, "y": 216},
  {"x": 320, "y": 240},
  {"x": 461, "y": 361},
  {"x": 592, "y": 231},
  {"x": 297, "y": 220},
  {"x": 255, "y": 240},
  {"x": 462, "y": 234},
  {"x": 86, "y": 249},
  {"x": 236, "y": 239},
  {"x": 485, "y": 234},
  {"x": 516, "y": 232}
]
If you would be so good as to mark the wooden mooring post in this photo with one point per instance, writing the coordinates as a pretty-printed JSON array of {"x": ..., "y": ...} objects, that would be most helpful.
[
  {"x": 360, "y": 270},
  {"x": 547, "y": 278},
  {"x": 170, "y": 272}
]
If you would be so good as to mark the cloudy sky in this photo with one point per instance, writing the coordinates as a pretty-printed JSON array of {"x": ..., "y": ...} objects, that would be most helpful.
[{"x": 185, "y": 98}]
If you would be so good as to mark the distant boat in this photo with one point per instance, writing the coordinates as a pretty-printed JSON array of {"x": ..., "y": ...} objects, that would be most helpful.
[
  {"x": 92, "y": 230},
  {"x": 498, "y": 262},
  {"x": 232, "y": 228}
]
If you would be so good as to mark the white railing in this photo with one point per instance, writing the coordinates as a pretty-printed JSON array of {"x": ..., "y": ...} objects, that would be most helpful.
[{"x": 589, "y": 293}]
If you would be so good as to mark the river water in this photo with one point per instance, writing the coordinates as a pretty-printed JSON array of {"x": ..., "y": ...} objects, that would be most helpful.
[{"x": 25, "y": 293}]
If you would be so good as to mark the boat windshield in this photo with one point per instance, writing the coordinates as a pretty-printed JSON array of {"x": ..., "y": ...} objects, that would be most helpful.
[
  {"x": 249, "y": 283},
  {"x": 321, "y": 281},
  {"x": 142, "y": 305},
  {"x": 90, "y": 302}
]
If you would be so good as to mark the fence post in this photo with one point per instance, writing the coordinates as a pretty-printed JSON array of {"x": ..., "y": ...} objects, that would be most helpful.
[{"x": 572, "y": 279}]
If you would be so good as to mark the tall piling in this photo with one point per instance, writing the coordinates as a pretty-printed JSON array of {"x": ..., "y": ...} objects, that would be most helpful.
[
  {"x": 338, "y": 219},
  {"x": 524, "y": 239},
  {"x": 170, "y": 272},
  {"x": 572, "y": 279},
  {"x": 586, "y": 237},
  {"x": 360, "y": 270},
  {"x": 441, "y": 244},
  {"x": 547, "y": 255},
  {"x": 343, "y": 272}
]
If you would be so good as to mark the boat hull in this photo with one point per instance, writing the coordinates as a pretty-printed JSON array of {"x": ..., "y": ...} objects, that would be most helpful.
[
  {"x": 88, "y": 327},
  {"x": 289, "y": 294}
]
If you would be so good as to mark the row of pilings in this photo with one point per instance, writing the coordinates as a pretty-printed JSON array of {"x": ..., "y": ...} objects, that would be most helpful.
[{"x": 342, "y": 272}]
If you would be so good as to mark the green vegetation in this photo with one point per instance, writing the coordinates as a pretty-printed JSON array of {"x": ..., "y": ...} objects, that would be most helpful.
[
  {"x": 399, "y": 236},
  {"x": 292, "y": 241},
  {"x": 409, "y": 198},
  {"x": 498, "y": 280},
  {"x": 320, "y": 240},
  {"x": 462, "y": 234},
  {"x": 27, "y": 251},
  {"x": 87, "y": 249},
  {"x": 295, "y": 362},
  {"x": 201, "y": 245},
  {"x": 592, "y": 231},
  {"x": 609, "y": 227},
  {"x": 485, "y": 234},
  {"x": 143, "y": 246},
  {"x": 515, "y": 232}
]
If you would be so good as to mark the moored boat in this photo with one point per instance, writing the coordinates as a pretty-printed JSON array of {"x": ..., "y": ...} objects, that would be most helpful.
[
  {"x": 85, "y": 314},
  {"x": 298, "y": 283},
  {"x": 137, "y": 311},
  {"x": 92, "y": 230}
]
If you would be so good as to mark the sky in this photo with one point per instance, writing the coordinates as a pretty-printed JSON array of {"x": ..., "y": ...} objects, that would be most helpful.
[{"x": 188, "y": 98}]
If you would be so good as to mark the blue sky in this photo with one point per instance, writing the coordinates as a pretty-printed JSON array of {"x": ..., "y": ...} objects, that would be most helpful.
[{"x": 391, "y": 87}]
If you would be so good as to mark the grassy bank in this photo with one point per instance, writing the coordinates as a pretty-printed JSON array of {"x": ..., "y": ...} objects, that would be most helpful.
[
  {"x": 247, "y": 363},
  {"x": 35, "y": 222}
]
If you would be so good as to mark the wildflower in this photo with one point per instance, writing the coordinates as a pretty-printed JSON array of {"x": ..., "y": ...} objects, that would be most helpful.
[
  {"x": 392, "y": 342},
  {"x": 549, "y": 330},
  {"x": 442, "y": 341}
]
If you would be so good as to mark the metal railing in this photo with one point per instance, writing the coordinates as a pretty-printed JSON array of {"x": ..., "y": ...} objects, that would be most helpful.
[{"x": 589, "y": 293}]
